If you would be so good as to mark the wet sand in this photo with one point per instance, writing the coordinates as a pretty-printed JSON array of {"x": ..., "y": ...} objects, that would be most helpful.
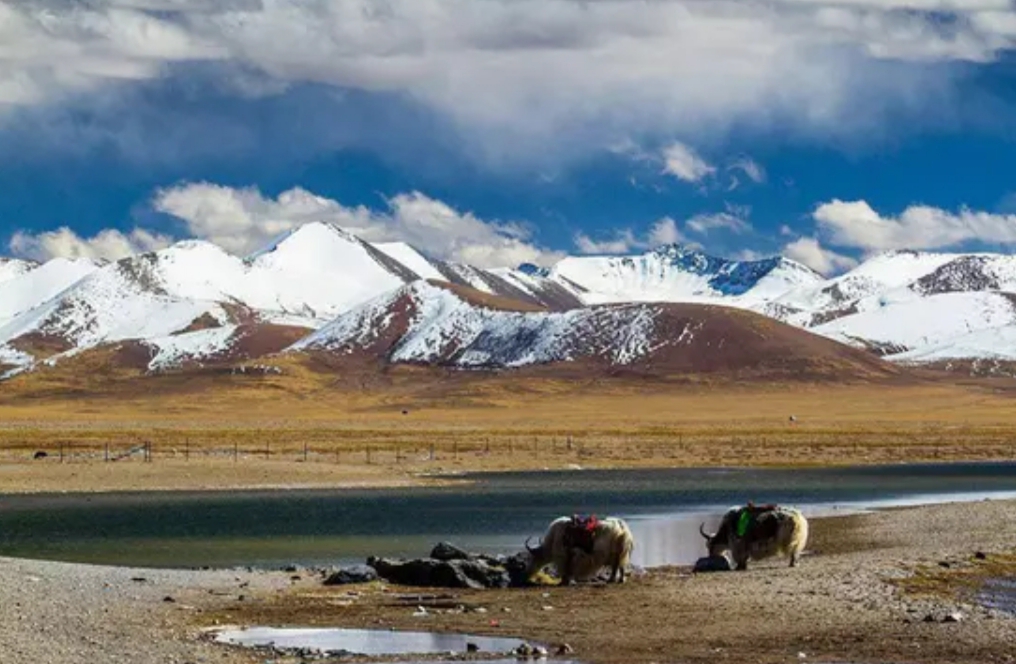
[{"x": 873, "y": 588}]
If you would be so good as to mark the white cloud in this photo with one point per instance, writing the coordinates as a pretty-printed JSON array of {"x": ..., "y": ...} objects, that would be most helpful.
[
  {"x": 517, "y": 73},
  {"x": 703, "y": 224},
  {"x": 243, "y": 220},
  {"x": 751, "y": 168},
  {"x": 810, "y": 252},
  {"x": 665, "y": 231},
  {"x": 856, "y": 224},
  {"x": 625, "y": 241},
  {"x": 109, "y": 244},
  {"x": 684, "y": 163}
]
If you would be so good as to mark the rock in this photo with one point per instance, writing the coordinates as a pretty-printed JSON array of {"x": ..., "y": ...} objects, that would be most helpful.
[
  {"x": 446, "y": 551},
  {"x": 981, "y": 555},
  {"x": 953, "y": 617},
  {"x": 290, "y": 568},
  {"x": 40, "y": 455},
  {"x": 564, "y": 649},
  {"x": 429, "y": 572},
  {"x": 167, "y": 598},
  {"x": 539, "y": 652},
  {"x": 472, "y": 647},
  {"x": 713, "y": 564},
  {"x": 353, "y": 574}
]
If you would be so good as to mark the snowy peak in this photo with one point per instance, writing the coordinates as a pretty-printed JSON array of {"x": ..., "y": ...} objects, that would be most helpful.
[
  {"x": 12, "y": 267},
  {"x": 677, "y": 273}
]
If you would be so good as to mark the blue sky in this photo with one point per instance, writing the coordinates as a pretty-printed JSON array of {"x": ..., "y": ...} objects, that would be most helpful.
[{"x": 503, "y": 131}]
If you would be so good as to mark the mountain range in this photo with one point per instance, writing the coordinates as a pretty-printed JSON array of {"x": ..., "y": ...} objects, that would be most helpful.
[{"x": 320, "y": 290}]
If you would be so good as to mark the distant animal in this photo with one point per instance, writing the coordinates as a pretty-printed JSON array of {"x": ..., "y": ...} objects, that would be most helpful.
[
  {"x": 753, "y": 532},
  {"x": 579, "y": 548}
]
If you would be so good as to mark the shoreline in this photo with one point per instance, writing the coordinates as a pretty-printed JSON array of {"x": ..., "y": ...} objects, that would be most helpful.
[
  {"x": 23, "y": 478},
  {"x": 850, "y": 585}
]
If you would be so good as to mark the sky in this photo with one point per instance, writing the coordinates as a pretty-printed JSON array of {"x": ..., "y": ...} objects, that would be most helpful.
[{"x": 498, "y": 132}]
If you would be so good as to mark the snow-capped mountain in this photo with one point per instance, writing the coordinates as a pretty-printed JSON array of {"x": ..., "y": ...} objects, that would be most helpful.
[
  {"x": 436, "y": 323},
  {"x": 11, "y": 268},
  {"x": 675, "y": 273},
  {"x": 195, "y": 296},
  {"x": 194, "y": 302}
]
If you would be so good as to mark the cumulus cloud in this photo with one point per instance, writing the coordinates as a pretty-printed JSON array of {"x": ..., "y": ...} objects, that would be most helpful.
[
  {"x": 243, "y": 220},
  {"x": 684, "y": 163},
  {"x": 857, "y": 224},
  {"x": 810, "y": 252},
  {"x": 109, "y": 244},
  {"x": 515, "y": 74}
]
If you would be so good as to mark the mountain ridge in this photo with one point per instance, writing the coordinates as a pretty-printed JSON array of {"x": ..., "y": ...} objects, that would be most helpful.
[{"x": 193, "y": 295}]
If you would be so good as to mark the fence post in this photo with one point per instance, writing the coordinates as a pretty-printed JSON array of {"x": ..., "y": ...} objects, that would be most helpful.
[
  {"x": 236, "y": 451},
  {"x": 61, "y": 452},
  {"x": 268, "y": 450},
  {"x": 368, "y": 454},
  {"x": 432, "y": 451},
  {"x": 305, "y": 450},
  {"x": 455, "y": 449},
  {"x": 107, "y": 452},
  {"x": 186, "y": 450}
]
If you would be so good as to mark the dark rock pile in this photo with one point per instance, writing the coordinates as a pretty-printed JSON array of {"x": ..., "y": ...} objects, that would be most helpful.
[{"x": 447, "y": 567}]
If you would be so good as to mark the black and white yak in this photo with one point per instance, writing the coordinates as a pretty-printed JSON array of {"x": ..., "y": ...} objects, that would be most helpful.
[
  {"x": 580, "y": 548},
  {"x": 758, "y": 532}
]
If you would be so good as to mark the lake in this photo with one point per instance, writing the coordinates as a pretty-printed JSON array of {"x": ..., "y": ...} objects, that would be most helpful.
[{"x": 495, "y": 513}]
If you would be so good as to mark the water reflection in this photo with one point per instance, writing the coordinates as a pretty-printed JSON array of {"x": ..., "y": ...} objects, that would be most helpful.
[{"x": 1000, "y": 594}]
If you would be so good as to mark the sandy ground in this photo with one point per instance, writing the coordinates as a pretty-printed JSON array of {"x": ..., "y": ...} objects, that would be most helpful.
[{"x": 863, "y": 594}]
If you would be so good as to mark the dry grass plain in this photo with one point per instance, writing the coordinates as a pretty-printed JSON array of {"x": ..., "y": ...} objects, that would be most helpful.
[{"x": 308, "y": 427}]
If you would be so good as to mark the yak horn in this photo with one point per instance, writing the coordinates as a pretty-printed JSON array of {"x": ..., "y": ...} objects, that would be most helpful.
[
  {"x": 531, "y": 549},
  {"x": 702, "y": 531}
]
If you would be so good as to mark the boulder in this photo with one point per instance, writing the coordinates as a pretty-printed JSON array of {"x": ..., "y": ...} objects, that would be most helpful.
[
  {"x": 441, "y": 573},
  {"x": 353, "y": 574},
  {"x": 713, "y": 564},
  {"x": 446, "y": 551}
]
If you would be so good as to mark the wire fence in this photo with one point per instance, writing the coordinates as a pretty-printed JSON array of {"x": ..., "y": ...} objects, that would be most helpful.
[{"x": 394, "y": 450}]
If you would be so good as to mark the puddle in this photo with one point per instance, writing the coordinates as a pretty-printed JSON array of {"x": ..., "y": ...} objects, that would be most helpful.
[
  {"x": 999, "y": 593},
  {"x": 371, "y": 642}
]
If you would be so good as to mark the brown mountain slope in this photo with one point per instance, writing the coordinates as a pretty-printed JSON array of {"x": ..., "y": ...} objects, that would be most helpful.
[{"x": 427, "y": 324}]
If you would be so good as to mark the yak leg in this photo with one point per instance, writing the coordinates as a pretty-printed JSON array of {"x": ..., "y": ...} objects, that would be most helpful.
[
  {"x": 793, "y": 559},
  {"x": 566, "y": 573}
]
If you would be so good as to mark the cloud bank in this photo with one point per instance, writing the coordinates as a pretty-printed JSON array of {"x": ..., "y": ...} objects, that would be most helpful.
[
  {"x": 518, "y": 75},
  {"x": 243, "y": 220},
  {"x": 856, "y": 224},
  {"x": 109, "y": 244}
]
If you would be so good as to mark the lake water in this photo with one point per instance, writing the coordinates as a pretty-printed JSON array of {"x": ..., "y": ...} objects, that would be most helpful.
[{"x": 493, "y": 514}]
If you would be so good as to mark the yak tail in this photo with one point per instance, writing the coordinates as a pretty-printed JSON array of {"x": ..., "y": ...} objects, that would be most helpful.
[{"x": 799, "y": 537}]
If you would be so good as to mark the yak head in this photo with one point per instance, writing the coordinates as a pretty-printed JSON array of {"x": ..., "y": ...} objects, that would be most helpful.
[
  {"x": 539, "y": 556},
  {"x": 719, "y": 542}
]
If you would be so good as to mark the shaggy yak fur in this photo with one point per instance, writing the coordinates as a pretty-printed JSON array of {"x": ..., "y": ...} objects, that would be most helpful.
[
  {"x": 771, "y": 531},
  {"x": 580, "y": 549}
]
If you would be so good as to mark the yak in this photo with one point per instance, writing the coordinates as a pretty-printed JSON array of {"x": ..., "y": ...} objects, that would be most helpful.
[
  {"x": 579, "y": 548},
  {"x": 757, "y": 532}
]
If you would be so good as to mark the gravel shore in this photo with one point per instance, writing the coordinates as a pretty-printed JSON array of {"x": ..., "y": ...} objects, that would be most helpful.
[
  {"x": 881, "y": 587},
  {"x": 61, "y": 613}
]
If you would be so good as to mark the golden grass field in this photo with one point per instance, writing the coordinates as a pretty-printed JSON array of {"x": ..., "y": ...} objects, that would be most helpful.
[{"x": 309, "y": 428}]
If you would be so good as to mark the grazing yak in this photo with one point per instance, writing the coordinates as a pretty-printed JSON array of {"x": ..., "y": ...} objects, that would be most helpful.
[
  {"x": 758, "y": 532},
  {"x": 580, "y": 548}
]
